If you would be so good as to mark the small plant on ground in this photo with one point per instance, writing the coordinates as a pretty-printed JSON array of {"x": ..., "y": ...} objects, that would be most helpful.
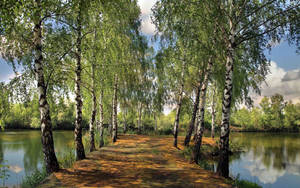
[
  {"x": 66, "y": 159},
  {"x": 187, "y": 152},
  {"x": 34, "y": 179},
  {"x": 238, "y": 183}
]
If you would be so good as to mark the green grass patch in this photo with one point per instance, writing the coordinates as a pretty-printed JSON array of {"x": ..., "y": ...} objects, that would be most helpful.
[
  {"x": 155, "y": 151},
  {"x": 34, "y": 179},
  {"x": 187, "y": 152},
  {"x": 245, "y": 184},
  {"x": 66, "y": 159}
]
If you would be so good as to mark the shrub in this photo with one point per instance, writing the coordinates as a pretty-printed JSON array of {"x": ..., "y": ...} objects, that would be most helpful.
[
  {"x": 66, "y": 159},
  {"x": 34, "y": 179}
]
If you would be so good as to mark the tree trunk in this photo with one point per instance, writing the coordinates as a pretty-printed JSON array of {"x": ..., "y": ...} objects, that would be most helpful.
[
  {"x": 125, "y": 122},
  {"x": 176, "y": 123},
  {"x": 223, "y": 165},
  {"x": 101, "y": 117},
  {"x": 94, "y": 101},
  {"x": 196, "y": 123},
  {"x": 46, "y": 124},
  {"x": 140, "y": 118},
  {"x": 92, "y": 125},
  {"x": 194, "y": 115},
  {"x": 93, "y": 116},
  {"x": 80, "y": 154},
  {"x": 155, "y": 119},
  {"x": 213, "y": 112},
  {"x": 110, "y": 126},
  {"x": 200, "y": 126},
  {"x": 178, "y": 107},
  {"x": 114, "y": 118}
]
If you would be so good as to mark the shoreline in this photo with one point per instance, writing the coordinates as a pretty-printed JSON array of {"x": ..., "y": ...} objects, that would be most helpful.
[{"x": 239, "y": 129}]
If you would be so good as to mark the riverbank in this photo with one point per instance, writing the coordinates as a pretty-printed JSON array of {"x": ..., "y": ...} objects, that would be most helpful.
[
  {"x": 27, "y": 127},
  {"x": 271, "y": 130},
  {"x": 137, "y": 161}
]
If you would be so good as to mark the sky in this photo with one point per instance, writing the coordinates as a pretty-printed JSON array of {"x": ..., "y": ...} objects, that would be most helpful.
[{"x": 284, "y": 76}]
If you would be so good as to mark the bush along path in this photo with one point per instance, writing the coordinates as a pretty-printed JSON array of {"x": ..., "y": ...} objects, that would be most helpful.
[{"x": 136, "y": 161}]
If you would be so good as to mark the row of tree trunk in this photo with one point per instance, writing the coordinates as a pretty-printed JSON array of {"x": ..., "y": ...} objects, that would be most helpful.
[
  {"x": 197, "y": 121},
  {"x": 50, "y": 159}
]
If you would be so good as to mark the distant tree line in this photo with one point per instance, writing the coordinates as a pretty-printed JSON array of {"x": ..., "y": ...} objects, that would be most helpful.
[{"x": 273, "y": 113}]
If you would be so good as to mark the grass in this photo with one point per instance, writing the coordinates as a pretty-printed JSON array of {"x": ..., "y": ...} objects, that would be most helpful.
[
  {"x": 67, "y": 159},
  {"x": 34, "y": 179},
  {"x": 187, "y": 152},
  {"x": 244, "y": 183},
  {"x": 155, "y": 151}
]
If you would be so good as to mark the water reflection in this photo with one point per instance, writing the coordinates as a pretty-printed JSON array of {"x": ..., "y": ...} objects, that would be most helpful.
[
  {"x": 22, "y": 151},
  {"x": 270, "y": 159}
]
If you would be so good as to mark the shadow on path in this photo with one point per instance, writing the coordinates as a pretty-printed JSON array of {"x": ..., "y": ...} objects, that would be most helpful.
[{"x": 136, "y": 161}]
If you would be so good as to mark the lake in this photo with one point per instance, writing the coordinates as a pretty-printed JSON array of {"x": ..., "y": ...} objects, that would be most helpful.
[
  {"x": 271, "y": 160},
  {"x": 22, "y": 151}
]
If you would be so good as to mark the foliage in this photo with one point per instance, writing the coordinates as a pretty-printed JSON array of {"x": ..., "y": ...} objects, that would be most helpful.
[
  {"x": 26, "y": 115},
  {"x": 274, "y": 114},
  {"x": 4, "y": 103}
]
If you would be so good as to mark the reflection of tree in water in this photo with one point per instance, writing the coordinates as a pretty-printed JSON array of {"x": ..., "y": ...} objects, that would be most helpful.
[
  {"x": 292, "y": 148},
  {"x": 32, "y": 152},
  {"x": 276, "y": 150},
  {"x": 27, "y": 141},
  {"x": 1, "y": 152},
  {"x": 267, "y": 158},
  {"x": 235, "y": 156},
  {"x": 63, "y": 140}
]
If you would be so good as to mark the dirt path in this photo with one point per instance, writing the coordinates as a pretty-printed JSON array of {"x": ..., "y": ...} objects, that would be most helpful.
[{"x": 136, "y": 161}]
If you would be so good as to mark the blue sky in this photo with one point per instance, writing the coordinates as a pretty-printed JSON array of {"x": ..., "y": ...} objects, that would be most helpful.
[
  {"x": 6, "y": 71},
  {"x": 284, "y": 77},
  {"x": 285, "y": 56}
]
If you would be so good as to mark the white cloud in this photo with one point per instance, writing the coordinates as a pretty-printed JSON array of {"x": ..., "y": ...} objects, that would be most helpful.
[
  {"x": 146, "y": 5},
  {"x": 270, "y": 174},
  {"x": 147, "y": 26},
  {"x": 16, "y": 169},
  {"x": 259, "y": 170},
  {"x": 286, "y": 83},
  {"x": 291, "y": 75}
]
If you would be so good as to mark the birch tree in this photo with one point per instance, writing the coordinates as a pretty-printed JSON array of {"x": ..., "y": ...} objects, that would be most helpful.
[
  {"x": 22, "y": 39},
  {"x": 250, "y": 26}
]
